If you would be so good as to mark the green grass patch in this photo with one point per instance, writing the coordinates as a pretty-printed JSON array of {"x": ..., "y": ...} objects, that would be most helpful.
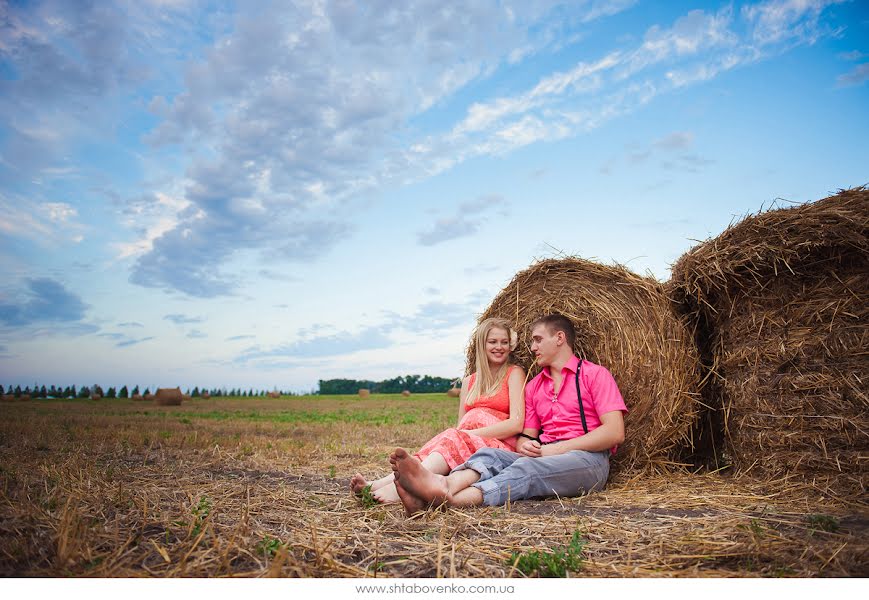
[
  {"x": 557, "y": 563},
  {"x": 827, "y": 523}
]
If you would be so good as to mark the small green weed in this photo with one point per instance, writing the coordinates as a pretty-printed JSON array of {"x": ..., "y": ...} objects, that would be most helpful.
[
  {"x": 332, "y": 471},
  {"x": 268, "y": 546},
  {"x": 367, "y": 498},
  {"x": 200, "y": 513},
  {"x": 826, "y": 523},
  {"x": 550, "y": 564}
]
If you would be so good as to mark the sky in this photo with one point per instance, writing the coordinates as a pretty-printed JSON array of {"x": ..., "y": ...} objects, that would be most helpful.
[{"x": 265, "y": 195}]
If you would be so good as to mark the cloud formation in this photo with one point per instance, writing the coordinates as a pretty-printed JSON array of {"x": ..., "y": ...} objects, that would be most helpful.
[
  {"x": 180, "y": 319},
  {"x": 44, "y": 301},
  {"x": 465, "y": 222}
]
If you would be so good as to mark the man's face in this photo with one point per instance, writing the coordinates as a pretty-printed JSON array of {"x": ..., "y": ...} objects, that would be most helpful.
[{"x": 545, "y": 344}]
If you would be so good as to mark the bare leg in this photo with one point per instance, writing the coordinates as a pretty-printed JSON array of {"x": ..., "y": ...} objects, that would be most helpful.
[
  {"x": 420, "y": 489},
  {"x": 387, "y": 494}
]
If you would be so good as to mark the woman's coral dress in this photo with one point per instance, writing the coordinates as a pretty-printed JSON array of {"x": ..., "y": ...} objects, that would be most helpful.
[{"x": 457, "y": 446}]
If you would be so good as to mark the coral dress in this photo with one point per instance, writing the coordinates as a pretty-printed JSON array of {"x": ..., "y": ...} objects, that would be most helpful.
[{"x": 457, "y": 446}]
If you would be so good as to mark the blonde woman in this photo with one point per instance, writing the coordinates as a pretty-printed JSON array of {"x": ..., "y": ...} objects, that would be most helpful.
[{"x": 491, "y": 410}]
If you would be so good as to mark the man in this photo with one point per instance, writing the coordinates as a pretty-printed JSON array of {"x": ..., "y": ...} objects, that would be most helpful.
[{"x": 569, "y": 457}]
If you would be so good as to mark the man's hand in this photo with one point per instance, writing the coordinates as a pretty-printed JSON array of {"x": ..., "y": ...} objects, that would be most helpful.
[{"x": 528, "y": 447}]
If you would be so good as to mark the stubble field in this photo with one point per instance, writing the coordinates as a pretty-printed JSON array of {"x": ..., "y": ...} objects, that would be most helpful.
[{"x": 239, "y": 487}]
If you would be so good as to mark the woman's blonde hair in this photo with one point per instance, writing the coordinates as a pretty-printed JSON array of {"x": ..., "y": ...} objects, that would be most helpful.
[{"x": 486, "y": 382}]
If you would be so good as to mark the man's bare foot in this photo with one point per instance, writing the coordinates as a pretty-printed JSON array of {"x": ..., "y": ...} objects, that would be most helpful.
[
  {"x": 357, "y": 483},
  {"x": 417, "y": 487},
  {"x": 387, "y": 494}
]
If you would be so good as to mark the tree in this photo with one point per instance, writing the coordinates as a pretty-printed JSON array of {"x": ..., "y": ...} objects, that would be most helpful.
[
  {"x": 43, "y": 393},
  {"x": 135, "y": 390},
  {"x": 72, "y": 393},
  {"x": 195, "y": 393},
  {"x": 111, "y": 393},
  {"x": 84, "y": 392},
  {"x": 123, "y": 392},
  {"x": 146, "y": 392}
]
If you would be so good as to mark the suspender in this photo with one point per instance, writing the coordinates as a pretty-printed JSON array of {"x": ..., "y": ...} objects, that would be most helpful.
[{"x": 579, "y": 397}]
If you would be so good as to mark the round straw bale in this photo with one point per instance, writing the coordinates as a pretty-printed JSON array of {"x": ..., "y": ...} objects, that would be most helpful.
[
  {"x": 206, "y": 395},
  {"x": 137, "y": 397},
  {"x": 274, "y": 394},
  {"x": 8, "y": 397},
  {"x": 148, "y": 397},
  {"x": 364, "y": 392},
  {"x": 405, "y": 393},
  {"x": 778, "y": 303},
  {"x": 454, "y": 392},
  {"x": 95, "y": 397},
  {"x": 625, "y": 323},
  {"x": 168, "y": 397}
]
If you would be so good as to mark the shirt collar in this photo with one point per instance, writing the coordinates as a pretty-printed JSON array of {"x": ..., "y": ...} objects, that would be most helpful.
[{"x": 572, "y": 365}]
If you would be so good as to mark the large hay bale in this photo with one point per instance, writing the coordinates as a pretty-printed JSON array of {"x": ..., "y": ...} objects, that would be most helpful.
[
  {"x": 779, "y": 303},
  {"x": 405, "y": 393},
  {"x": 96, "y": 397},
  {"x": 364, "y": 393},
  {"x": 625, "y": 323},
  {"x": 168, "y": 397}
]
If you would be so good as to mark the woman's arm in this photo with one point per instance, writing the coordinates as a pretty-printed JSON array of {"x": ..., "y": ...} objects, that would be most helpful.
[
  {"x": 463, "y": 395},
  {"x": 516, "y": 421}
]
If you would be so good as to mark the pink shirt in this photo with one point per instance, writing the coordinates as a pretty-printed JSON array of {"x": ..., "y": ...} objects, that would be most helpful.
[{"x": 560, "y": 420}]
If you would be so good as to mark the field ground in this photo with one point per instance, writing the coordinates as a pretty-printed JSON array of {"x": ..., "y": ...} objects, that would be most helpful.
[{"x": 257, "y": 487}]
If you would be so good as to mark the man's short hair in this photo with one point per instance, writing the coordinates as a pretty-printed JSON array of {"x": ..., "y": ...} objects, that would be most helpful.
[{"x": 556, "y": 322}]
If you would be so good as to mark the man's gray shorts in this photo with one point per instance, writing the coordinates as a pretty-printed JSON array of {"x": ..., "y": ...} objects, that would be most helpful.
[{"x": 506, "y": 475}]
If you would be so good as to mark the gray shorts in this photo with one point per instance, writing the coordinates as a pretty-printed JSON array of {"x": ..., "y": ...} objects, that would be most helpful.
[{"x": 506, "y": 475}]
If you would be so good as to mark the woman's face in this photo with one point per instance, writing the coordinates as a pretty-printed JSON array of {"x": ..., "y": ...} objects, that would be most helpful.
[{"x": 497, "y": 346}]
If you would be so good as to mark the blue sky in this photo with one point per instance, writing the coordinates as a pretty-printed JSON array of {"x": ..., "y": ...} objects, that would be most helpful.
[{"x": 204, "y": 193}]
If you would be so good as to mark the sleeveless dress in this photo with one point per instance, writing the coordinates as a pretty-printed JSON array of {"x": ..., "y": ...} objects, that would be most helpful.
[{"x": 457, "y": 446}]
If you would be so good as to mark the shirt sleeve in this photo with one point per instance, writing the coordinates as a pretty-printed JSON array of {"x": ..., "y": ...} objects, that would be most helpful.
[
  {"x": 532, "y": 421},
  {"x": 605, "y": 393}
]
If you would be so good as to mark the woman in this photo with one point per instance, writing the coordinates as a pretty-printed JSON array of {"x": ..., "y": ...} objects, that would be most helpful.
[{"x": 491, "y": 410}]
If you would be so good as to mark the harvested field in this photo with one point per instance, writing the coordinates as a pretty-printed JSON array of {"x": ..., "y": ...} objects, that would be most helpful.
[{"x": 257, "y": 487}]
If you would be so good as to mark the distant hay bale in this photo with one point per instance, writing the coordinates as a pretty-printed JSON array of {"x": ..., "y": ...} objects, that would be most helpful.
[
  {"x": 149, "y": 397},
  {"x": 95, "y": 397},
  {"x": 274, "y": 394},
  {"x": 454, "y": 392},
  {"x": 405, "y": 393},
  {"x": 206, "y": 395},
  {"x": 779, "y": 304},
  {"x": 364, "y": 393},
  {"x": 168, "y": 397},
  {"x": 7, "y": 398},
  {"x": 185, "y": 397},
  {"x": 24, "y": 397},
  {"x": 625, "y": 323},
  {"x": 138, "y": 397}
]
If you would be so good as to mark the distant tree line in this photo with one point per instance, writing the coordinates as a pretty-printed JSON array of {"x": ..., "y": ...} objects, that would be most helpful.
[
  {"x": 85, "y": 391},
  {"x": 418, "y": 384}
]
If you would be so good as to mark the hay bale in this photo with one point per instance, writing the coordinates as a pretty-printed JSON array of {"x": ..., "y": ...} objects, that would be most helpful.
[
  {"x": 138, "y": 397},
  {"x": 274, "y": 394},
  {"x": 95, "y": 397},
  {"x": 206, "y": 395},
  {"x": 149, "y": 397},
  {"x": 7, "y": 398},
  {"x": 24, "y": 398},
  {"x": 454, "y": 392},
  {"x": 168, "y": 397},
  {"x": 364, "y": 393},
  {"x": 405, "y": 393},
  {"x": 778, "y": 302},
  {"x": 625, "y": 323}
]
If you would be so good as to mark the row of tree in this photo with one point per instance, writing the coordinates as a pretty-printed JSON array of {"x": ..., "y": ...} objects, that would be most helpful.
[
  {"x": 418, "y": 384},
  {"x": 85, "y": 391}
]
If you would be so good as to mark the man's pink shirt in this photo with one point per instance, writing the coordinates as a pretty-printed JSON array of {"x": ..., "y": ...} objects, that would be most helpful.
[{"x": 560, "y": 420}]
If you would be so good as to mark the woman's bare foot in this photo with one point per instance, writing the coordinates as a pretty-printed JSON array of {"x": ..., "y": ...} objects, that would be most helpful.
[
  {"x": 387, "y": 494},
  {"x": 417, "y": 487},
  {"x": 357, "y": 483}
]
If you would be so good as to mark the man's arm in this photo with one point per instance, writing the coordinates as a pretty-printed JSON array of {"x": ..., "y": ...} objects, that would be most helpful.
[
  {"x": 526, "y": 446},
  {"x": 610, "y": 433}
]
